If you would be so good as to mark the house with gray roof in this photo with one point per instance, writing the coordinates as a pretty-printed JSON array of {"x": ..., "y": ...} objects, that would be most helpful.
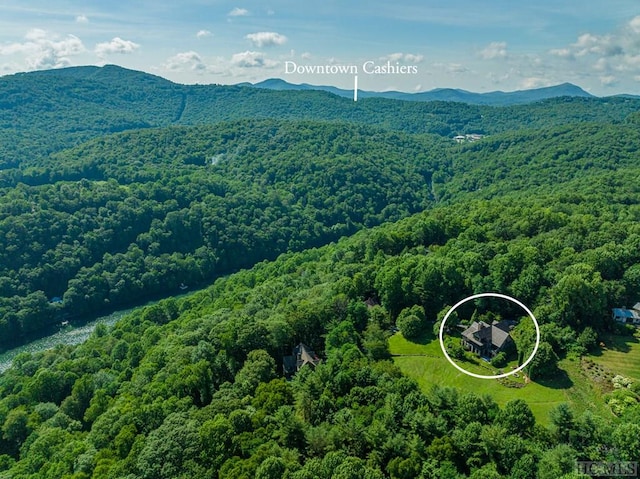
[
  {"x": 301, "y": 356},
  {"x": 487, "y": 340}
]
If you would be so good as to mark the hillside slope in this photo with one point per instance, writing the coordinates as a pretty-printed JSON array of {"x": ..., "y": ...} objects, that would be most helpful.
[
  {"x": 44, "y": 112},
  {"x": 538, "y": 160},
  {"x": 325, "y": 232},
  {"x": 137, "y": 214},
  {"x": 194, "y": 388}
]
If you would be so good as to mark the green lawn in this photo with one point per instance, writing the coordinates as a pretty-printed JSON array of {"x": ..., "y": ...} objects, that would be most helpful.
[
  {"x": 423, "y": 361},
  {"x": 621, "y": 355}
]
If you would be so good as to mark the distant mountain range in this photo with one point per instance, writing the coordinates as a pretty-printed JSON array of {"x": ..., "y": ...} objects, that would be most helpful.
[
  {"x": 494, "y": 98},
  {"x": 47, "y": 111}
]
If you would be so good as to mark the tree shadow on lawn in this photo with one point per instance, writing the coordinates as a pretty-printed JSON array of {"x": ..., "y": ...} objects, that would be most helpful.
[
  {"x": 616, "y": 342},
  {"x": 559, "y": 379},
  {"x": 424, "y": 338}
]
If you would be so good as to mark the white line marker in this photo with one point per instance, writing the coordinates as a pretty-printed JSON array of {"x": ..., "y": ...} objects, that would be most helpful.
[{"x": 355, "y": 88}]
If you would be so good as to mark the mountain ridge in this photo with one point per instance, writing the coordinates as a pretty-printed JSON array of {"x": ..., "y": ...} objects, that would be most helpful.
[
  {"x": 492, "y": 98},
  {"x": 111, "y": 72},
  {"x": 361, "y": 231},
  {"x": 95, "y": 101}
]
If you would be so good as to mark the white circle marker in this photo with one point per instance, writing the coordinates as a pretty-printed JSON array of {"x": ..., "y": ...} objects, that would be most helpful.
[{"x": 491, "y": 295}]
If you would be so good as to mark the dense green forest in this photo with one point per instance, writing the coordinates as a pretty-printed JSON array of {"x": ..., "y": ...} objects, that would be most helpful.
[
  {"x": 194, "y": 387},
  {"x": 307, "y": 218},
  {"x": 138, "y": 214},
  {"x": 43, "y": 112}
]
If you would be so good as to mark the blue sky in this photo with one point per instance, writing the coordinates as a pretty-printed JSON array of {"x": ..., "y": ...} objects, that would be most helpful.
[{"x": 477, "y": 46}]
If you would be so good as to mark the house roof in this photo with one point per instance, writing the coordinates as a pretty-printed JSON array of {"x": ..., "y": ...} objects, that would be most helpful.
[
  {"x": 636, "y": 306},
  {"x": 301, "y": 356},
  {"x": 499, "y": 336},
  {"x": 305, "y": 355},
  {"x": 477, "y": 333},
  {"x": 505, "y": 325},
  {"x": 481, "y": 333},
  {"x": 626, "y": 313}
]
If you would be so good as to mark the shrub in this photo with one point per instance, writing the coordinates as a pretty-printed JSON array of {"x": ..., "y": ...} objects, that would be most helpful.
[
  {"x": 499, "y": 360},
  {"x": 455, "y": 350},
  {"x": 411, "y": 326}
]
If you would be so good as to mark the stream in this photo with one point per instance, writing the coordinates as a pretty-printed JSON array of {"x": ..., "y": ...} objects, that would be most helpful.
[{"x": 69, "y": 335}]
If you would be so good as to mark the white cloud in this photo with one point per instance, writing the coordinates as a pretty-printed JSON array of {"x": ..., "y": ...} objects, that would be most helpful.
[
  {"x": 494, "y": 50},
  {"x": 608, "y": 80},
  {"x": 631, "y": 62},
  {"x": 607, "y": 54},
  {"x": 203, "y": 33},
  {"x": 404, "y": 57},
  {"x": 596, "y": 60},
  {"x": 534, "y": 82},
  {"x": 411, "y": 58},
  {"x": 452, "y": 68},
  {"x": 306, "y": 55},
  {"x": 239, "y": 12},
  {"x": 561, "y": 52},
  {"x": 251, "y": 59},
  {"x": 185, "y": 61},
  {"x": 82, "y": 19},
  {"x": 116, "y": 45},
  {"x": 393, "y": 57},
  {"x": 456, "y": 68},
  {"x": 36, "y": 34},
  {"x": 248, "y": 59},
  {"x": 499, "y": 78},
  {"x": 266, "y": 39},
  {"x": 605, "y": 45},
  {"x": 585, "y": 41},
  {"x": 601, "y": 65},
  {"x": 42, "y": 49}
]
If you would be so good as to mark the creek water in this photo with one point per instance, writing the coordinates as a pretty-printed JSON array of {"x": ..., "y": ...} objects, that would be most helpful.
[{"x": 68, "y": 334}]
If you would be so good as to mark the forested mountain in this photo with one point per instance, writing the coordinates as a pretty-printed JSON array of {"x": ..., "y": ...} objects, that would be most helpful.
[
  {"x": 44, "y": 112},
  {"x": 539, "y": 160},
  {"x": 321, "y": 221},
  {"x": 193, "y": 388},
  {"x": 494, "y": 98},
  {"x": 137, "y": 214}
]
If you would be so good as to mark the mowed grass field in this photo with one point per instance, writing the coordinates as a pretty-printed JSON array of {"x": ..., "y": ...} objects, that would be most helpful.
[
  {"x": 424, "y": 362},
  {"x": 621, "y": 355}
]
